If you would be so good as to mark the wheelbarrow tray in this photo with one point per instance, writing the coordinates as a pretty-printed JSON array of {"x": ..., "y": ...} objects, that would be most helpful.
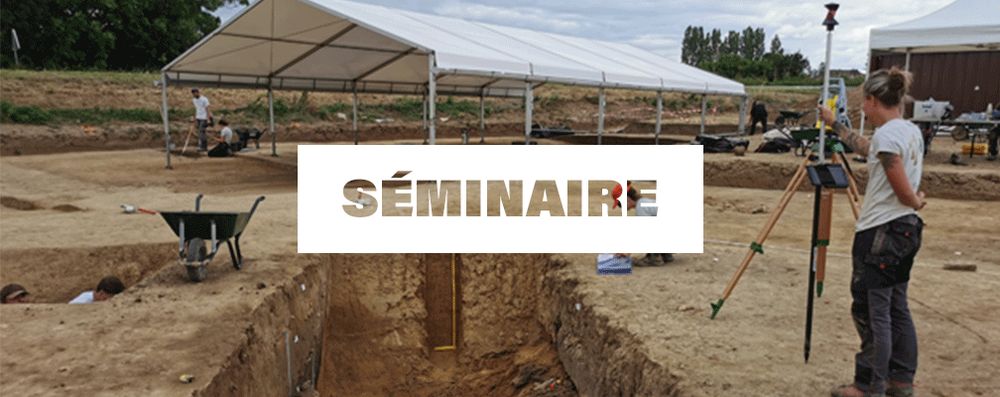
[{"x": 199, "y": 224}]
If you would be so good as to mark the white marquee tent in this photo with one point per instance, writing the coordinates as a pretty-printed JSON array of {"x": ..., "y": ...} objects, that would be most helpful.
[
  {"x": 962, "y": 26},
  {"x": 342, "y": 46}
]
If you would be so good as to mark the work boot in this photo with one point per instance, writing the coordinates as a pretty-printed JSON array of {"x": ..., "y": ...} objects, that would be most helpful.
[
  {"x": 852, "y": 391},
  {"x": 650, "y": 260},
  {"x": 667, "y": 258},
  {"x": 991, "y": 157},
  {"x": 898, "y": 389}
]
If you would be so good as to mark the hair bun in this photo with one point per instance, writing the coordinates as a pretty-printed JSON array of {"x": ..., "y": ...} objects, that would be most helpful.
[{"x": 899, "y": 80}]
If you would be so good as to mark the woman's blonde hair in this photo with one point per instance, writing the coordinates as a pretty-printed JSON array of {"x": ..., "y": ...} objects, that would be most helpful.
[{"x": 889, "y": 86}]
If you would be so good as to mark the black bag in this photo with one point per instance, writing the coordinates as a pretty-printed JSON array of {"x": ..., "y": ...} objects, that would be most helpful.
[
  {"x": 778, "y": 145},
  {"x": 246, "y": 134},
  {"x": 716, "y": 144}
]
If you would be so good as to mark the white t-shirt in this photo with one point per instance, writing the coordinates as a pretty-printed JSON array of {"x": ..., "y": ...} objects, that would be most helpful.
[
  {"x": 645, "y": 207},
  {"x": 227, "y": 134},
  {"x": 200, "y": 107},
  {"x": 86, "y": 297},
  {"x": 881, "y": 205}
]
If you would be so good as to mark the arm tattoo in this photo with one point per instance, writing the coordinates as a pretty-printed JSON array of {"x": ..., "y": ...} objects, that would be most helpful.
[
  {"x": 888, "y": 160},
  {"x": 851, "y": 138}
]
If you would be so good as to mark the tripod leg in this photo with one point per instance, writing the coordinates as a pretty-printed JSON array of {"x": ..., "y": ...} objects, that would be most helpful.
[
  {"x": 825, "y": 216},
  {"x": 814, "y": 255},
  {"x": 758, "y": 244},
  {"x": 852, "y": 186}
]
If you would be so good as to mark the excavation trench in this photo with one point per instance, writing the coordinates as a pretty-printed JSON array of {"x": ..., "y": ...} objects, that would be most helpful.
[
  {"x": 474, "y": 324},
  {"x": 57, "y": 275}
]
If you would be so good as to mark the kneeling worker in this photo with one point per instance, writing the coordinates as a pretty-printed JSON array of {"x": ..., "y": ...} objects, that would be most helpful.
[
  {"x": 225, "y": 147},
  {"x": 643, "y": 206}
]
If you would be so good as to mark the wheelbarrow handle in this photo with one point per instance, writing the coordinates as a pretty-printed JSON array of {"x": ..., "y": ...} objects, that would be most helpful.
[
  {"x": 197, "y": 202},
  {"x": 254, "y": 207}
]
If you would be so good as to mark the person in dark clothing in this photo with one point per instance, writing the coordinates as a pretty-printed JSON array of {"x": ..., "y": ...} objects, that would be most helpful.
[
  {"x": 758, "y": 113},
  {"x": 225, "y": 146}
]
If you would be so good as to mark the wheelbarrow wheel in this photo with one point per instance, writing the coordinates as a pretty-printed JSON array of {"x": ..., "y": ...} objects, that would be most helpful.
[
  {"x": 197, "y": 273},
  {"x": 196, "y": 254}
]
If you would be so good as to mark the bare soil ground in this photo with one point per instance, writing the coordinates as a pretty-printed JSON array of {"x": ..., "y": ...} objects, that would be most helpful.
[{"x": 654, "y": 326}]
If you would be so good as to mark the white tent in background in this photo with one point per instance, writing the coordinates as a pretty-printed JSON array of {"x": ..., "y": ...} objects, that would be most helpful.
[
  {"x": 342, "y": 46},
  {"x": 962, "y": 26}
]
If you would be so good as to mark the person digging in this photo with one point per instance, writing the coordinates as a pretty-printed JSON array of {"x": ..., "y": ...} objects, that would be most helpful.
[{"x": 643, "y": 206}]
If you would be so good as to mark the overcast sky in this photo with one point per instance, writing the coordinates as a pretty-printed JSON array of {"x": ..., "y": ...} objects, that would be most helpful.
[{"x": 658, "y": 25}]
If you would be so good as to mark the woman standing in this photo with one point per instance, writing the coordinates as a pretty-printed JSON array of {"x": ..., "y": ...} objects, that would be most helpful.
[{"x": 886, "y": 240}]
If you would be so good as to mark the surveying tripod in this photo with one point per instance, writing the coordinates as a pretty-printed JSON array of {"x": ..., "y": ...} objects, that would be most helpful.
[{"x": 826, "y": 178}]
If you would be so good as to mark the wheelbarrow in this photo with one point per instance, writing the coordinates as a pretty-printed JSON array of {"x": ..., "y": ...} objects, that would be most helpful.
[{"x": 196, "y": 228}]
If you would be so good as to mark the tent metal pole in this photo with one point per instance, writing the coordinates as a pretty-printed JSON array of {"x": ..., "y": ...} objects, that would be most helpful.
[
  {"x": 529, "y": 106},
  {"x": 270, "y": 119},
  {"x": 868, "y": 72},
  {"x": 742, "y": 129},
  {"x": 431, "y": 100},
  {"x": 906, "y": 67},
  {"x": 482, "y": 117},
  {"x": 659, "y": 117},
  {"x": 166, "y": 117},
  {"x": 354, "y": 113},
  {"x": 600, "y": 114},
  {"x": 423, "y": 105},
  {"x": 704, "y": 108}
]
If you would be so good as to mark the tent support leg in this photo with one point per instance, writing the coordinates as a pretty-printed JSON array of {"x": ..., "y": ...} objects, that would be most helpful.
[
  {"x": 659, "y": 117},
  {"x": 270, "y": 119},
  {"x": 600, "y": 114},
  {"x": 424, "y": 110},
  {"x": 166, "y": 117},
  {"x": 354, "y": 114},
  {"x": 529, "y": 105},
  {"x": 482, "y": 118},
  {"x": 704, "y": 108},
  {"x": 431, "y": 100},
  {"x": 742, "y": 129},
  {"x": 868, "y": 72}
]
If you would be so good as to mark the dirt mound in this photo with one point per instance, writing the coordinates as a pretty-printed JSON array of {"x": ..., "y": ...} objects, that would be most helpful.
[
  {"x": 761, "y": 172},
  {"x": 67, "y": 208},
  {"x": 18, "y": 204}
]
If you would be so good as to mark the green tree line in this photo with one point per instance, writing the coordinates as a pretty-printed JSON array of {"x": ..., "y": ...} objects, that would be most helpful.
[
  {"x": 741, "y": 55},
  {"x": 104, "y": 34}
]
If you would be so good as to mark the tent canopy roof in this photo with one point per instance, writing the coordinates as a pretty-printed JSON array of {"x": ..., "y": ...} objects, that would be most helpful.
[
  {"x": 336, "y": 45},
  {"x": 964, "y": 25}
]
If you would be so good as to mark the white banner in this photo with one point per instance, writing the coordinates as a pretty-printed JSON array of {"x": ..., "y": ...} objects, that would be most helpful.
[{"x": 499, "y": 199}]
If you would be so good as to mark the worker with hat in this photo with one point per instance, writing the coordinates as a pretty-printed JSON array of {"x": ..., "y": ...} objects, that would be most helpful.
[{"x": 14, "y": 293}]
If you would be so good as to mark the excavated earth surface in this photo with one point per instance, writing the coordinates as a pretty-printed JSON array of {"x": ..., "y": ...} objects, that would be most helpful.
[{"x": 527, "y": 325}]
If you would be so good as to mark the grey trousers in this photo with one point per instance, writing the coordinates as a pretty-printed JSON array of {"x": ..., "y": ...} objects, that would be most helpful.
[
  {"x": 201, "y": 125},
  {"x": 882, "y": 259}
]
